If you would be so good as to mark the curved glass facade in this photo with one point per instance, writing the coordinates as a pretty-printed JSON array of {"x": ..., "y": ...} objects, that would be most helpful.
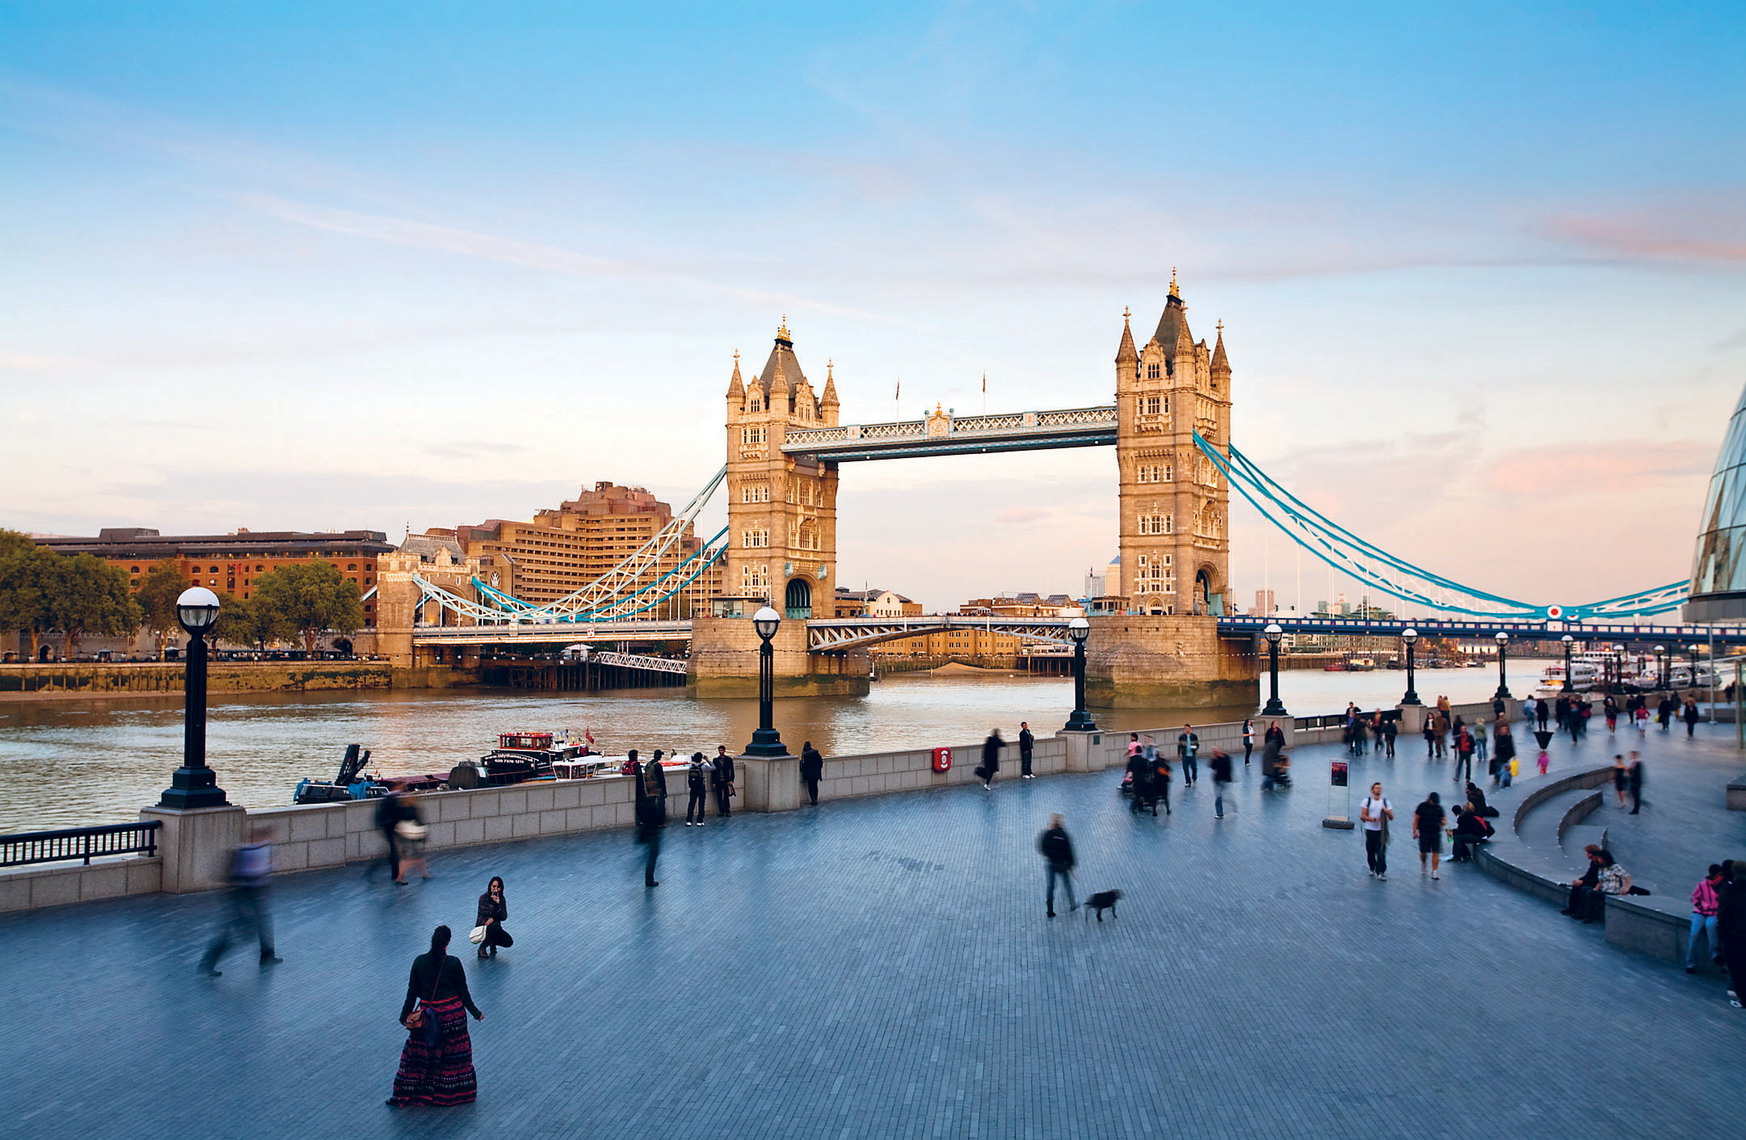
[{"x": 1718, "y": 572}]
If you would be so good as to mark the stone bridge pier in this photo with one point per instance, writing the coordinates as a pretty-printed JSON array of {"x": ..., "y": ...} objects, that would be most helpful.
[
  {"x": 1169, "y": 661},
  {"x": 724, "y": 662}
]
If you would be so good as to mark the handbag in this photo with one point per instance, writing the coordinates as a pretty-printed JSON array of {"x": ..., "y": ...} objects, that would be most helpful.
[
  {"x": 421, "y": 1018},
  {"x": 410, "y": 829},
  {"x": 476, "y": 935}
]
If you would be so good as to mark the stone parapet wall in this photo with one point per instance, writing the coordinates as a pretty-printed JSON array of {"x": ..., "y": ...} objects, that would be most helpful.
[
  {"x": 31, "y": 888},
  {"x": 227, "y": 677}
]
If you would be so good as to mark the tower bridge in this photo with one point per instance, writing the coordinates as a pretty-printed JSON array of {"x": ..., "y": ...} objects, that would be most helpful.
[{"x": 1170, "y": 645}]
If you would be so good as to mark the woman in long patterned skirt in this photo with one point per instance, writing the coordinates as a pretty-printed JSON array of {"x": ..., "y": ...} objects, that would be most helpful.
[{"x": 436, "y": 1064}]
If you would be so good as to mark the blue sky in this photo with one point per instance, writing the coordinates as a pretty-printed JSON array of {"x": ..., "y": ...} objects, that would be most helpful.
[{"x": 329, "y": 265}]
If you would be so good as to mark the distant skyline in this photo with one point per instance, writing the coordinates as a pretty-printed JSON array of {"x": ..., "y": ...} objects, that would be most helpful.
[{"x": 1482, "y": 269}]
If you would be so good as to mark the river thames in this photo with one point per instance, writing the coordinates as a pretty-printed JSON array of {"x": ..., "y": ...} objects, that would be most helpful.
[{"x": 80, "y": 762}]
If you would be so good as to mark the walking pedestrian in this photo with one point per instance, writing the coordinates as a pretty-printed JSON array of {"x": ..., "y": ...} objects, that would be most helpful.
[
  {"x": 1464, "y": 749},
  {"x": 1621, "y": 778},
  {"x": 1390, "y": 729},
  {"x": 1503, "y": 749},
  {"x": 493, "y": 912},
  {"x": 1057, "y": 849},
  {"x": 1429, "y": 732},
  {"x": 1221, "y": 775},
  {"x": 1542, "y": 712},
  {"x": 410, "y": 833},
  {"x": 1428, "y": 820},
  {"x": 1026, "y": 742},
  {"x": 1664, "y": 712},
  {"x": 1610, "y": 707},
  {"x": 1248, "y": 740},
  {"x": 388, "y": 816},
  {"x": 436, "y": 1063},
  {"x": 1143, "y": 794},
  {"x": 1374, "y": 813},
  {"x": 722, "y": 780},
  {"x": 1731, "y": 926},
  {"x": 1705, "y": 902},
  {"x": 1691, "y": 715},
  {"x": 990, "y": 759},
  {"x": 251, "y": 864},
  {"x": 1481, "y": 746},
  {"x": 651, "y": 793},
  {"x": 1187, "y": 746},
  {"x": 1634, "y": 782},
  {"x": 697, "y": 784},
  {"x": 811, "y": 769}
]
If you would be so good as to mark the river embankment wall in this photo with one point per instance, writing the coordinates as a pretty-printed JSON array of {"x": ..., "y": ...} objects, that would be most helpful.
[
  {"x": 58, "y": 680},
  {"x": 194, "y": 846}
]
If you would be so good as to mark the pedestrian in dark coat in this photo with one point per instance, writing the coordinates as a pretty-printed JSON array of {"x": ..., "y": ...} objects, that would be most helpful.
[
  {"x": 811, "y": 768},
  {"x": 388, "y": 817},
  {"x": 1057, "y": 851},
  {"x": 1221, "y": 774},
  {"x": 1634, "y": 781},
  {"x": 1140, "y": 782},
  {"x": 1731, "y": 927},
  {"x": 651, "y": 798},
  {"x": 493, "y": 912},
  {"x": 1691, "y": 716},
  {"x": 1026, "y": 743},
  {"x": 722, "y": 780},
  {"x": 990, "y": 759},
  {"x": 697, "y": 783},
  {"x": 1503, "y": 749}
]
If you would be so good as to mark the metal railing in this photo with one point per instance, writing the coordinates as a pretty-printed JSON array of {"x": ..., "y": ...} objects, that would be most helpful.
[{"x": 84, "y": 843}]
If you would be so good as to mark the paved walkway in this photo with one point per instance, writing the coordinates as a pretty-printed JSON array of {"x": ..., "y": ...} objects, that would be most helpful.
[{"x": 883, "y": 968}]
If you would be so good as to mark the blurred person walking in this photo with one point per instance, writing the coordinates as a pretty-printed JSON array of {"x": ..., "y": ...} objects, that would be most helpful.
[
  {"x": 651, "y": 792},
  {"x": 1057, "y": 851},
  {"x": 990, "y": 760},
  {"x": 410, "y": 833},
  {"x": 251, "y": 865},
  {"x": 436, "y": 1063}
]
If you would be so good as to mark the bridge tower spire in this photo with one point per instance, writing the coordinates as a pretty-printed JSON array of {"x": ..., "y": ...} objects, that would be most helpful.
[
  {"x": 782, "y": 509},
  {"x": 1174, "y": 536}
]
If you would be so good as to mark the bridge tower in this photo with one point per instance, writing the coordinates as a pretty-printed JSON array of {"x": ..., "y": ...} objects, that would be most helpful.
[
  {"x": 1163, "y": 651},
  {"x": 782, "y": 510},
  {"x": 782, "y": 536},
  {"x": 1175, "y": 548}
]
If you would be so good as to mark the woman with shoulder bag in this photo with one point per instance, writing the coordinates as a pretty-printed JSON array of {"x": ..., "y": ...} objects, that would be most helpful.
[
  {"x": 436, "y": 1063},
  {"x": 493, "y": 912}
]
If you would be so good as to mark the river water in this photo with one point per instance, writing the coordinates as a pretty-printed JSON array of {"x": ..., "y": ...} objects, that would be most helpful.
[{"x": 80, "y": 762}]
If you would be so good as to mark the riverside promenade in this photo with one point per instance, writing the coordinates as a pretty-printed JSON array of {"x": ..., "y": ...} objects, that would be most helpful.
[{"x": 882, "y": 967}]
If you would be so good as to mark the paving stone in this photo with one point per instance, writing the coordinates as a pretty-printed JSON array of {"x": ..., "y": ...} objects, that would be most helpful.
[{"x": 882, "y": 967}]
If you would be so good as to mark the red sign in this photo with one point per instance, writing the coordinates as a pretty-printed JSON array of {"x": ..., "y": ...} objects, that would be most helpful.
[{"x": 942, "y": 759}]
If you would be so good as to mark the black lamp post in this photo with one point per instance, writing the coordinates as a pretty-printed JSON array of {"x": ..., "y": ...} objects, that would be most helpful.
[
  {"x": 1503, "y": 686},
  {"x": 1274, "y": 706},
  {"x": 1411, "y": 637},
  {"x": 194, "y": 785},
  {"x": 1661, "y": 664},
  {"x": 1079, "y": 629},
  {"x": 1568, "y": 641},
  {"x": 766, "y": 741}
]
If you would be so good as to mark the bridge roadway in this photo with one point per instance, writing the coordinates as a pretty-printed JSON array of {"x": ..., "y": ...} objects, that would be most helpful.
[
  {"x": 845, "y": 633},
  {"x": 1518, "y": 630},
  {"x": 945, "y": 434}
]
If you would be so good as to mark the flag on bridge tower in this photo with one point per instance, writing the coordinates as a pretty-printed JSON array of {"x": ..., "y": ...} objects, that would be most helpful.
[{"x": 985, "y": 383}]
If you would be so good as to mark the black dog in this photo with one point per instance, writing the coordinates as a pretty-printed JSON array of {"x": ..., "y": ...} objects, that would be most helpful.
[{"x": 1102, "y": 901}]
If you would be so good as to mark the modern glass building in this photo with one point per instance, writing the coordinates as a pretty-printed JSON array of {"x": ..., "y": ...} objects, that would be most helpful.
[{"x": 1718, "y": 573}]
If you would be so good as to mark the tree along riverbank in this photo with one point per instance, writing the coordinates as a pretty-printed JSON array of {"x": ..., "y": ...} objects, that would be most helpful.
[{"x": 62, "y": 681}]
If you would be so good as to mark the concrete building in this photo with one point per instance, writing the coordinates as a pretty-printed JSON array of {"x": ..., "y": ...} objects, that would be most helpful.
[
  {"x": 564, "y": 548},
  {"x": 1264, "y": 602}
]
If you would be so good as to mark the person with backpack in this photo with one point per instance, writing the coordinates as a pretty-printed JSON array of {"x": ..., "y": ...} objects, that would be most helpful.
[
  {"x": 1057, "y": 851},
  {"x": 697, "y": 784},
  {"x": 1187, "y": 746},
  {"x": 1140, "y": 783},
  {"x": 1374, "y": 813}
]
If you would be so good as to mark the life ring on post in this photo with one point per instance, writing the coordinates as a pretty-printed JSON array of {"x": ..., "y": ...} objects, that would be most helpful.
[{"x": 942, "y": 759}]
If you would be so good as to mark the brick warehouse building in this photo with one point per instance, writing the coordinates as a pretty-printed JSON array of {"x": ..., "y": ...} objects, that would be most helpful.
[{"x": 230, "y": 563}]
